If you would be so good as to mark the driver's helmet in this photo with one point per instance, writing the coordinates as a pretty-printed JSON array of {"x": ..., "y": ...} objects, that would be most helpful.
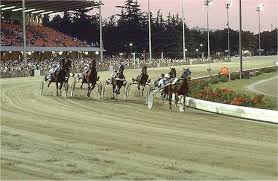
[{"x": 167, "y": 76}]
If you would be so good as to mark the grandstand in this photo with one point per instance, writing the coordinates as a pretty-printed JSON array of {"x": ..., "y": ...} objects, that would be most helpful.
[{"x": 38, "y": 37}]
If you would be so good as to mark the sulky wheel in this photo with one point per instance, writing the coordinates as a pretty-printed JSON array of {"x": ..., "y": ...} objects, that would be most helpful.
[
  {"x": 127, "y": 90},
  {"x": 103, "y": 90},
  {"x": 66, "y": 85},
  {"x": 41, "y": 87},
  {"x": 99, "y": 89},
  {"x": 73, "y": 88}
]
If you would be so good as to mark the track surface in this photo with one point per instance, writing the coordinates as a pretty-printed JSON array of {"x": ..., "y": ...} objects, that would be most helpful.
[
  {"x": 47, "y": 137},
  {"x": 266, "y": 87}
]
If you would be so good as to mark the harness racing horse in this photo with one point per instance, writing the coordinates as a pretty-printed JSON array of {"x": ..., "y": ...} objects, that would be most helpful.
[
  {"x": 118, "y": 81},
  {"x": 172, "y": 75},
  {"x": 90, "y": 77},
  {"x": 179, "y": 88},
  {"x": 141, "y": 80},
  {"x": 61, "y": 75}
]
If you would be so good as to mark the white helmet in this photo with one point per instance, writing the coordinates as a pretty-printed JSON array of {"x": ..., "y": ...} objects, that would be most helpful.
[{"x": 167, "y": 76}]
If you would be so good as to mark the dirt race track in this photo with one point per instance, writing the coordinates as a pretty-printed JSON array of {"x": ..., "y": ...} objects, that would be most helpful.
[{"x": 48, "y": 137}]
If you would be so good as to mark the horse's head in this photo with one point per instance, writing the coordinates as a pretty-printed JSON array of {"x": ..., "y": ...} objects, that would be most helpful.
[
  {"x": 144, "y": 69},
  {"x": 121, "y": 69},
  {"x": 93, "y": 63},
  {"x": 186, "y": 74},
  {"x": 173, "y": 73}
]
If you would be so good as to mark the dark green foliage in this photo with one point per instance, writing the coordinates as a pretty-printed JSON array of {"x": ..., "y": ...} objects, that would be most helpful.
[{"x": 131, "y": 26}]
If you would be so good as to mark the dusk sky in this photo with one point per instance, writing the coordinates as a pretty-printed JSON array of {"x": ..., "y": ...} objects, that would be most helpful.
[{"x": 195, "y": 12}]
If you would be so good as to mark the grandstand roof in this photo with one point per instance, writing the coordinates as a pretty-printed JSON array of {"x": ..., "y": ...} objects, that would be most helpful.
[{"x": 50, "y": 5}]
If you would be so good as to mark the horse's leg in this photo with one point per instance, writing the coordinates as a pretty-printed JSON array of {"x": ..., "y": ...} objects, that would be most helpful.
[
  {"x": 113, "y": 91},
  {"x": 143, "y": 88},
  {"x": 57, "y": 87},
  {"x": 184, "y": 102},
  {"x": 66, "y": 88},
  {"x": 170, "y": 101},
  {"x": 176, "y": 99},
  {"x": 138, "y": 87},
  {"x": 49, "y": 83},
  {"x": 88, "y": 93},
  {"x": 60, "y": 88}
]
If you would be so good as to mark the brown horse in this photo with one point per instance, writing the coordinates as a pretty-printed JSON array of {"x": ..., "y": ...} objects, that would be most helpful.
[
  {"x": 142, "y": 80},
  {"x": 178, "y": 88},
  {"x": 118, "y": 81},
  {"x": 172, "y": 75},
  {"x": 60, "y": 76},
  {"x": 90, "y": 77}
]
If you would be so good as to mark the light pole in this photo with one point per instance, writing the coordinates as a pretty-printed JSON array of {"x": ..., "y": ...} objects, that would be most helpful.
[
  {"x": 201, "y": 45},
  {"x": 24, "y": 32},
  {"x": 259, "y": 9},
  {"x": 100, "y": 31},
  {"x": 228, "y": 6},
  {"x": 240, "y": 39},
  {"x": 208, "y": 3},
  {"x": 150, "y": 32},
  {"x": 130, "y": 45},
  {"x": 183, "y": 31}
]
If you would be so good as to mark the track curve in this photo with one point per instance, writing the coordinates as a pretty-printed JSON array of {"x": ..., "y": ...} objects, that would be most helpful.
[{"x": 47, "y": 137}]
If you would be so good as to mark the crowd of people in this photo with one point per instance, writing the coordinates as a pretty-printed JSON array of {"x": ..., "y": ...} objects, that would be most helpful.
[
  {"x": 15, "y": 68},
  {"x": 11, "y": 35}
]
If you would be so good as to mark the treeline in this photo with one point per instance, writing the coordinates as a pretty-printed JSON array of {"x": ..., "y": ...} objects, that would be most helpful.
[{"x": 131, "y": 26}]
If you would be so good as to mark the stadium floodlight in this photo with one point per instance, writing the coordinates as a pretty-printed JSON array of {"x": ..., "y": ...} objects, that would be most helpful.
[
  {"x": 100, "y": 31},
  {"x": 39, "y": 11},
  {"x": 259, "y": 8},
  {"x": 48, "y": 12},
  {"x": 240, "y": 39},
  {"x": 7, "y": 8},
  {"x": 228, "y": 6},
  {"x": 29, "y": 10},
  {"x": 131, "y": 44},
  {"x": 97, "y": 52},
  {"x": 208, "y": 3},
  {"x": 17, "y": 9},
  {"x": 150, "y": 31},
  {"x": 183, "y": 31}
]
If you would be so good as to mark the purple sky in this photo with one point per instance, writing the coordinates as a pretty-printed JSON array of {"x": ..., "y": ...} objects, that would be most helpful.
[{"x": 195, "y": 12}]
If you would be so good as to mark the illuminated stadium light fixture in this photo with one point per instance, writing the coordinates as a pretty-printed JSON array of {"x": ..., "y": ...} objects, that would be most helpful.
[
  {"x": 11, "y": 7},
  {"x": 29, "y": 10},
  {"x": 228, "y": 5},
  {"x": 97, "y": 52},
  {"x": 260, "y": 8},
  {"x": 39, "y": 11},
  {"x": 48, "y": 12},
  {"x": 17, "y": 9},
  {"x": 208, "y": 3}
]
